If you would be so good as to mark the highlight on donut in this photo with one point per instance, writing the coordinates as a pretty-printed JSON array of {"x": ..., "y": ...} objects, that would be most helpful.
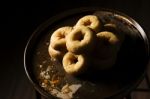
[
  {"x": 110, "y": 27},
  {"x": 106, "y": 37},
  {"x": 74, "y": 64},
  {"x": 57, "y": 50},
  {"x": 80, "y": 40},
  {"x": 90, "y": 21},
  {"x": 60, "y": 34}
]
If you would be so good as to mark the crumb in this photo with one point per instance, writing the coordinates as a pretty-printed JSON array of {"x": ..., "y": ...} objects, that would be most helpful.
[
  {"x": 40, "y": 66},
  {"x": 44, "y": 62}
]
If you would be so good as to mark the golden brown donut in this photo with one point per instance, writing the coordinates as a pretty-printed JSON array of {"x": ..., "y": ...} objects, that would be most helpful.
[
  {"x": 108, "y": 43},
  {"x": 106, "y": 50},
  {"x": 57, "y": 50},
  {"x": 74, "y": 64},
  {"x": 106, "y": 37},
  {"x": 80, "y": 40},
  {"x": 60, "y": 34},
  {"x": 90, "y": 21},
  {"x": 112, "y": 27}
]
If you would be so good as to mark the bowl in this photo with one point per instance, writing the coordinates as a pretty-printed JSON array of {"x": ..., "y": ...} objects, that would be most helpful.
[{"x": 117, "y": 82}]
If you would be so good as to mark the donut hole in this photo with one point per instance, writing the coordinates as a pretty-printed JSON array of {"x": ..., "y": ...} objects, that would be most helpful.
[
  {"x": 61, "y": 48},
  {"x": 74, "y": 60},
  {"x": 61, "y": 36},
  {"x": 87, "y": 23},
  {"x": 79, "y": 36}
]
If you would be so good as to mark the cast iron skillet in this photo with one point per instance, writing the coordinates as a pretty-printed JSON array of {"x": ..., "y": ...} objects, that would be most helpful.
[{"x": 132, "y": 60}]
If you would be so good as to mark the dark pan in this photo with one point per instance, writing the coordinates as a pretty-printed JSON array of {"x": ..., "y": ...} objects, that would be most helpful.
[{"x": 129, "y": 70}]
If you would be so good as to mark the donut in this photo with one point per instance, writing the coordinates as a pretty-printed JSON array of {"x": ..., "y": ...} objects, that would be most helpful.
[
  {"x": 108, "y": 43},
  {"x": 90, "y": 21},
  {"x": 107, "y": 38},
  {"x": 80, "y": 40},
  {"x": 74, "y": 64},
  {"x": 112, "y": 27},
  {"x": 57, "y": 50},
  {"x": 106, "y": 50},
  {"x": 60, "y": 34}
]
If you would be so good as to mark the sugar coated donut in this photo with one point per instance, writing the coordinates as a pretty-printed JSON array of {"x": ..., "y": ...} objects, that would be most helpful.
[
  {"x": 60, "y": 34},
  {"x": 80, "y": 40},
  {"x": 90, "y": 21},
  {"x": 57, "y": 50},
  {"x": 74, "y": 64}
]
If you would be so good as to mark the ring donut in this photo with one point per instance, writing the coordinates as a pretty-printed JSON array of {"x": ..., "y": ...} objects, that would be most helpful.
[
  {"x": 107, "y": 49},
  {"x": 57, "y": 50},
  {"x": 112, "y": 27},
  {"x": 108, "y": 43},
  {"x": 106, "y": 37},
  {"x": 80, "y": 40},
  {"x": 74, "y": 64},
  {"x": 90, "y": 21},
  {"x": 60, "y": 34}
]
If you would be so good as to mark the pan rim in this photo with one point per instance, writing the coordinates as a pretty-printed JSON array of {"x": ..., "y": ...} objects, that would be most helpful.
[{"x": 71, "y": 12}]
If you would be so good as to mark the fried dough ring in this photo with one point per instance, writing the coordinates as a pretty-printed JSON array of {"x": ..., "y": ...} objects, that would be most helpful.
[
  {"x": 74, "y": 64},
  {"x": 57, "y": 50},
  {"x": 80, "y": 40},
  {"x": 60, "y": 34},
  {"x": 112, "y": 27},
  {"x": 106, "y": 49},
  {"x": 90, "y": 21},
  {"x": 107, "y": 37}
]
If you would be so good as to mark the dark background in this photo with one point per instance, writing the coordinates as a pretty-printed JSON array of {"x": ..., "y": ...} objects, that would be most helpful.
[{"x": 21, "y": 18}]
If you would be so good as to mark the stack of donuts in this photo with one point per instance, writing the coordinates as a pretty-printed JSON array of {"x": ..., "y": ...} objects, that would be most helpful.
[{"x": 88, "y": 43}]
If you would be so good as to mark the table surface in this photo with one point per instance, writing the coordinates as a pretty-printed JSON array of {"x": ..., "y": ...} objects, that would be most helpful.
[{"x": 21, "y": 19}]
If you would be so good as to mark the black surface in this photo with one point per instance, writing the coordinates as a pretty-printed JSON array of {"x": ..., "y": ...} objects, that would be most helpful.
[{"x": 19, "y": 20}]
